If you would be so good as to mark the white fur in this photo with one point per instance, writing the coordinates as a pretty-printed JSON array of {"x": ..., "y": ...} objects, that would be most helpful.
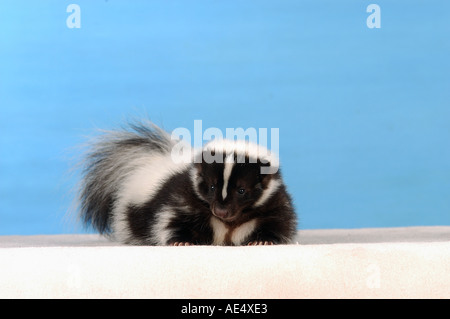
[
  {"x": 121, "y": 231},
  {"x": 161, "y": 233},
  {"x": 228, "y": 167},
  {"x": 141, "y": 185},
  {"x": 271, "y": 188},
  {"x": 146, "y": 180},
  {"x": 241, "y": 233},
  {"x": 242, "y": 147},
  {"x": 238, "y": 235},
  {"x": 196, "y": 180},
  {"x": 219, "y": 231}
]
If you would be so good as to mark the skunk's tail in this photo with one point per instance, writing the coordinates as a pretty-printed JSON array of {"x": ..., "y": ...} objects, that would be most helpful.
[{"x": 109, "y": 159}]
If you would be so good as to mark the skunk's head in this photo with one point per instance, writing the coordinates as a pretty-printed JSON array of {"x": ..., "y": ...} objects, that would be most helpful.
[{"x": 235, "y": 177}]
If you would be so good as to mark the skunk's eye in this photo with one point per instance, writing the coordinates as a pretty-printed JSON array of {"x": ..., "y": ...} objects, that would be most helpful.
[
  {"x": 241, "y": 191},
  {"x": 212, "y": 187}
]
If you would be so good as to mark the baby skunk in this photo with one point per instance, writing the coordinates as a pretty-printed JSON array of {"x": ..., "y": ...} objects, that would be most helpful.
[{"x": 134, "y": 191}]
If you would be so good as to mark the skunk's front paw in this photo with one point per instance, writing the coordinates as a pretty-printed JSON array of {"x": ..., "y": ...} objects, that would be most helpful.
[
  {"x": 182, "y": 243},
  {"x": 259, "y": 243}
]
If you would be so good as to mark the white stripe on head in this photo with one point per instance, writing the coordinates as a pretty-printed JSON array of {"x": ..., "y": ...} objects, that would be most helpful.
[
  {"x": 228, "y": 167},
  {"x": 244, "y": 148}
]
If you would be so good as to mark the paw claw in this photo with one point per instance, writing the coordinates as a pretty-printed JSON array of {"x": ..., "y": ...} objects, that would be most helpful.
[
  {"x": 181, "y": 243},
  {"x": 260, "y": 243}
]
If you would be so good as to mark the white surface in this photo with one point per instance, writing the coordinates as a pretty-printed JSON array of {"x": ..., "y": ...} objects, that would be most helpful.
[{"x": 88, "y": 266}]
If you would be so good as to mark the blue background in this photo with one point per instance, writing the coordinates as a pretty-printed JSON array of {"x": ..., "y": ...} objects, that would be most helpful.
[{"x": 364, "y": 114}]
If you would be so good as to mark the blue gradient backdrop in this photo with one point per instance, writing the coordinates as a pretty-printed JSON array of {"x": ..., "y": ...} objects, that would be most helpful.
[{"x": 364, "y": 114}]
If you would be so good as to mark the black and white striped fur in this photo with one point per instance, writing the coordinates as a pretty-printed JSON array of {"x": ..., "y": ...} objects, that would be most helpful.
[{"x": 133, "y": 191}]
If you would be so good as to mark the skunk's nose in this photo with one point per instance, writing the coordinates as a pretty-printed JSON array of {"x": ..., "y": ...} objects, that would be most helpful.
[{"x": 220, "y": 211}]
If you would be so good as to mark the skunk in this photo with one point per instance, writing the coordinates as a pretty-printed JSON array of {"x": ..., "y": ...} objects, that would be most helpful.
[{"x": 134, "y": 190}]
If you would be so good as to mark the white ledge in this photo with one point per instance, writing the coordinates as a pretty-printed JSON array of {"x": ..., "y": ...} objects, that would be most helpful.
[{"x": 411, "y": 262}]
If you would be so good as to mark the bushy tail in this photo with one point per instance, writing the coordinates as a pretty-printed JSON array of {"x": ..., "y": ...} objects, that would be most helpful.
[{"x": 110, "y": 157}]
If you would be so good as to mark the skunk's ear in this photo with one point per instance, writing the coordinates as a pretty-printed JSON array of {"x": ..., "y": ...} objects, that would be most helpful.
[
  {"x": 269, "y": 167},
  {"x": 263, "y": 177}
]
